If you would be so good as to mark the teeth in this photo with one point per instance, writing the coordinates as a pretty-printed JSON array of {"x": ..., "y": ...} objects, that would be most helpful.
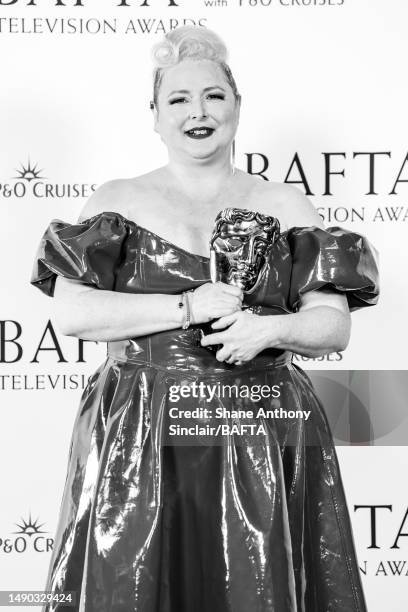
[{"x": 199, "y": 131}]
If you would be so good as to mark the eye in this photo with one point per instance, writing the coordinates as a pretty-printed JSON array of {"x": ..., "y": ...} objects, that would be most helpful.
[
  {"x": 216, "y": 96},
  {"x": 177, "y": 100},
  {"x": 233, "y": 244}
]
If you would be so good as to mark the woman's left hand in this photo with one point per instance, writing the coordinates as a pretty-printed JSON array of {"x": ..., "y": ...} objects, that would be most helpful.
[{"x": 244, "y": 336}]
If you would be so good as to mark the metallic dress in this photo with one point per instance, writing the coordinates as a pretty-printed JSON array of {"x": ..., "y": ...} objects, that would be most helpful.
[{"x": 203, "y": 523}]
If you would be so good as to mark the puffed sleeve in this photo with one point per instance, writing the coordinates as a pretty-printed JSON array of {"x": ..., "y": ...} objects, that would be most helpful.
[
  {"x": 89, "y": 252},
  {"x": 336, "y": 259}
]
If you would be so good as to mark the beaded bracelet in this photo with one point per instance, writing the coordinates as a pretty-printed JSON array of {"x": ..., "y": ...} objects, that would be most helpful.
[{"x": 185, "y": 303}]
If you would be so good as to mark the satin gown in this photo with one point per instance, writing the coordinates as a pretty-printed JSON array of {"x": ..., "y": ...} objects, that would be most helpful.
[{"x": 236, "y": 523}]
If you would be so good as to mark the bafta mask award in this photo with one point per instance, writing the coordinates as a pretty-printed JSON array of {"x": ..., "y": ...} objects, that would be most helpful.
[{"x": 240, "y": 245}]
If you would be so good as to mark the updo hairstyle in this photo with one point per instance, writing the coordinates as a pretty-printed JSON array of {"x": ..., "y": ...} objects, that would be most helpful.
[{"x": 189, "y": 42}]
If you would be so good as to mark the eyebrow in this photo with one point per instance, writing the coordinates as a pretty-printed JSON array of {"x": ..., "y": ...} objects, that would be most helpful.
[{"x": 186, "y": 91}]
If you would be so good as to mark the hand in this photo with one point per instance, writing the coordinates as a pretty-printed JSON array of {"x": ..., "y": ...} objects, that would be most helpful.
[
  {"x": 214, "y": 300},
  {"x": 244, "y": 337}
]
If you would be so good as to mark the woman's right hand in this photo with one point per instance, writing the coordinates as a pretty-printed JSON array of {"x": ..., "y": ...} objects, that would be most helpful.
[{"x": 214, "y": 300}]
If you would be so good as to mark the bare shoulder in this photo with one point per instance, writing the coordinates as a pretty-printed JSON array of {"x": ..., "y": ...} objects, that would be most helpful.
[
  {"x": 111, "y": 196},
  {"x": 119, "y": 195},
  {"x": 287, "y": 203}
]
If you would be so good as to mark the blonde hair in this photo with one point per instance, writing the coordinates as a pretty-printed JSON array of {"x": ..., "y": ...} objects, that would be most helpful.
[{"x": 190, "y": 42}]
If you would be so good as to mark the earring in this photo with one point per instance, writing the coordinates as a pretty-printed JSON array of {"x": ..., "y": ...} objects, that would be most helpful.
[{"x": 151, "y": 104}]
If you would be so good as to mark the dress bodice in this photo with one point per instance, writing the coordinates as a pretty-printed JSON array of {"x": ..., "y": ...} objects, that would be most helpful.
[{"x": 111, "y": 252}]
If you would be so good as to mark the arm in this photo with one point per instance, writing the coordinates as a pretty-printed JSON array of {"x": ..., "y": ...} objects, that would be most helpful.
[
  {"x": 95, "y": 314},
  {"x": 322, "y": 325}
]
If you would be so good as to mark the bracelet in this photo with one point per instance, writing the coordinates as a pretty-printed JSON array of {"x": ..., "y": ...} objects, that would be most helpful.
[
  {"x": 188, "y": 313},
  {"x": 180, "y": 304},
  {"x": 185, "y": 303}
]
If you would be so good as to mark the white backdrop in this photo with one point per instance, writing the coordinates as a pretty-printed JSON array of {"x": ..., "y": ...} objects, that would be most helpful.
[{"x": 316, "y": 78}]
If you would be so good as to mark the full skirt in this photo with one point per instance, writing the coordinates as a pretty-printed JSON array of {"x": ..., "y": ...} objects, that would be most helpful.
[{"x": 237, "y": 523}]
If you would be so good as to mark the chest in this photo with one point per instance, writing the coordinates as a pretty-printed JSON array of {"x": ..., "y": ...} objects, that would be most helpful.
[
  {"x": 186, "y": 229},
  {"x": 186, "y": 224}
]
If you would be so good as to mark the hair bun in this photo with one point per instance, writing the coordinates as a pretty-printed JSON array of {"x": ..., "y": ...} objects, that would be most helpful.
[{"x": 164, "y": 54}]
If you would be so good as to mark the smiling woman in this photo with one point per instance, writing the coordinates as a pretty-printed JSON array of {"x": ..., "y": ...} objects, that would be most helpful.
[
  {"x": 200, "y": 120},
  {"x": 233, "y": 521}
]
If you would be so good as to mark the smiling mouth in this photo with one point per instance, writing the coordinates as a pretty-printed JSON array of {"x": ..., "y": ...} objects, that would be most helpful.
[{"x": 202, "y": 132}]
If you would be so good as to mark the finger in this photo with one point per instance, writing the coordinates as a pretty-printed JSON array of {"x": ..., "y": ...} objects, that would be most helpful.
[
  {"x": 233, "y": 360},
  {"x": 223, "y": 354},
  {"x": 225, "y": 312},
  {"x": 229, "y": 301},
  {"x": 211, "y": 339},
  {"x": 231, "y": 289},
  {"x": 224, "y": 322},
  {"x": 228, "y": 306}
]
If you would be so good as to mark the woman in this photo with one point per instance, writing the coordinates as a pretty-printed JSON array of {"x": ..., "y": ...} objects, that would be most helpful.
[{"x": 241, "y": 522}]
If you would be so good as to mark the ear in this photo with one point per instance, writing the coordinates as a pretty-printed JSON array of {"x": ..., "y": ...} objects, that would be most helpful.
[
  {"x": 238, "y": 100},
  {"x": 238, "y": 109},
  {"x": 155, "y": 115}
]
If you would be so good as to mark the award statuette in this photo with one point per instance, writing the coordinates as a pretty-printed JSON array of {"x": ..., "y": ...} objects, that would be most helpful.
[{"x": 239, "y": 245}]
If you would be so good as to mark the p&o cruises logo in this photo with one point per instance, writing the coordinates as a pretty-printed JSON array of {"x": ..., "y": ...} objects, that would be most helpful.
[
  {"x": 30, "y": 180},
  {"x": 29, "y": 538}
]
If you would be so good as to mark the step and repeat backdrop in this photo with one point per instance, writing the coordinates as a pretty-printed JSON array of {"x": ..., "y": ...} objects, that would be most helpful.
[{"x": 324, "y": 94}]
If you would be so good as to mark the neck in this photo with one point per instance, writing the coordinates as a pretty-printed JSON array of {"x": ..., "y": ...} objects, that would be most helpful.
[{"x": 205, "y": 179}]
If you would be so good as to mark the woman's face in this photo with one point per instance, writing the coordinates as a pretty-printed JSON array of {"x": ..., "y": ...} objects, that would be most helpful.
[{"x": 197, "y": 114}]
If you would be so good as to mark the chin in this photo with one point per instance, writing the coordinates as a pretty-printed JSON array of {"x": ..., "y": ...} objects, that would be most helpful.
[
  {"x": 204, "y": 152},
  {"x": 208, "y": 156}
]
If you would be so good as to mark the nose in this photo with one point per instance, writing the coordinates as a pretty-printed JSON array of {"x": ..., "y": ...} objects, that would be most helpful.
[
  {"x": 198, "y": 109},
  {"x": 247, "y": 251}
]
